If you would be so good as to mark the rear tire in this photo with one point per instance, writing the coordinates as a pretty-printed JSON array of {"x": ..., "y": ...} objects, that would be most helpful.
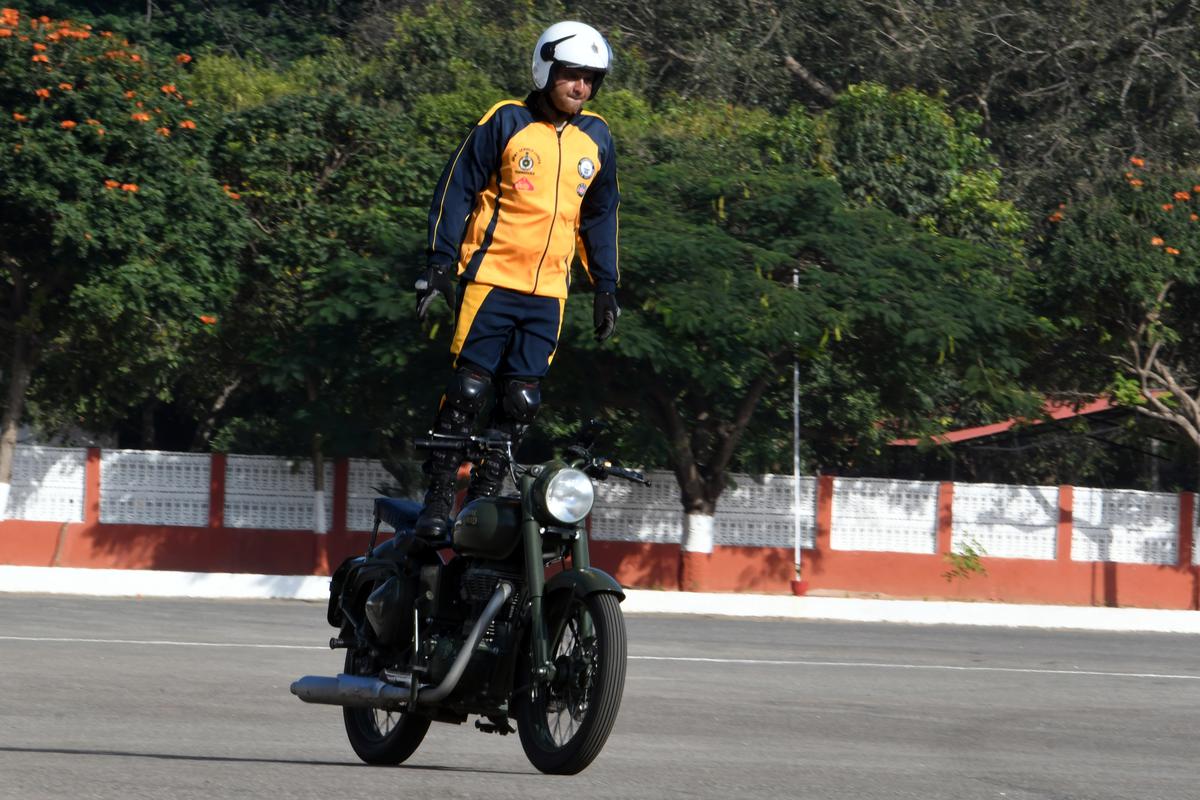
[
  {"x": 564, "y": 724},
  {"x": 380, "y": 737}
]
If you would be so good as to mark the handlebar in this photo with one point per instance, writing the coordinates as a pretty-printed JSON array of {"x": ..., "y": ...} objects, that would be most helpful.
[{"x": 597, "y": 467}]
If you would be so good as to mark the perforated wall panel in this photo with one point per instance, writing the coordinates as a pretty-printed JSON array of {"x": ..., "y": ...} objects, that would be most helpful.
[
  {"x": 756, "y": 512},
  {"x": 1125, "y": 526},
  {"x": 273, "y": 493},
  {"x": 363, "y": 480},
  {"x": 48, "y": 484},
  {"x": 1006, "y": 521},
  {"x": 145, "y": 487},
  {"x": 884, "y": 515}
]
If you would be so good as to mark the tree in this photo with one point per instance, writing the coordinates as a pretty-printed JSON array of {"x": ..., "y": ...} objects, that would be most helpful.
[
  {"x": 709, "y": 261},
  {"x": 114, "y": 237},
  {"x": 1122, "y": 270}
]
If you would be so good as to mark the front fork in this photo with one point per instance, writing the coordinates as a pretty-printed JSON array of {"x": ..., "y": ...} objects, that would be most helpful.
[
  {"x": 535, "y": 569},
  {"x": 531, "y": 535}
]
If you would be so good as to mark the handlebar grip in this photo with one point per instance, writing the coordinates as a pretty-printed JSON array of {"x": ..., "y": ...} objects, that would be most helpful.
[{"x": 438, "y": 444}]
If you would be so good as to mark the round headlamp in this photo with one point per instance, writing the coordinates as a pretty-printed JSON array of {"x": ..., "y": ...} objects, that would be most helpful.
[{"x": 564, "y": 495}]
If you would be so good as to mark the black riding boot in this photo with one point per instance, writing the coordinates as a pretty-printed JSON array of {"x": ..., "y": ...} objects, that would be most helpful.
[
  {"x": 465, "y": 394},
  {"x": 488, "y": 476},
  {"x": 434, "y": 522}
]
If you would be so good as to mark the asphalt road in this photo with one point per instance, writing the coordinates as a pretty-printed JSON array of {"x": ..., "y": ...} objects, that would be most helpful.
[{"x": 117, "y": 698}]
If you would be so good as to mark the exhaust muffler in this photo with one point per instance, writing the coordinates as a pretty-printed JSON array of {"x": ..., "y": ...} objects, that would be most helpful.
[{"x": 367, "y": 692}]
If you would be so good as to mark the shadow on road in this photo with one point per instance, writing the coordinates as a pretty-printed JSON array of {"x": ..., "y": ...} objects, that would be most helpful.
[{"x": 66, "y": 751}]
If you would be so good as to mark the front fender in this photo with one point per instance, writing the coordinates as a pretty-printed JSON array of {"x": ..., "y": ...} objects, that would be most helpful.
[{"x": 583, "y": 582}]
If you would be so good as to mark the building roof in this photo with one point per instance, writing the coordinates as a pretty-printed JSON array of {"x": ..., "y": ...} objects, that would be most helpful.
[{"x": 1054, "y": 411}]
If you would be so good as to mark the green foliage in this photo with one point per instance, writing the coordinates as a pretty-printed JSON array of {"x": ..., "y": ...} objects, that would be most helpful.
[
  {"x": 906, "y": 152},
  {"x": 325, "y": 301},
  {"x": 113, "y": 234},
  {"x": 965, "y": 562}
]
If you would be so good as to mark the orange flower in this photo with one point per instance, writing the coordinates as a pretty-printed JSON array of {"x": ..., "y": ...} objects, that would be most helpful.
[
  {"x": 1137, "y": 162},
  {"x": 163, "y": 131},
  {"x": 99, "y": 131},
  {"x": 183, "y": 58},
  {"x": 1195, "y": 217},
  {"x": 187, "y": 123},
  {"x": 19, "y": 117},
  {"x": 67, "y": 124},
  {"x": 1157, "y": 241},
  {"x": 208, "y": 319},
  {"x": 140, "y": 104},
  {"x": 233, "y": 195},
  {"x": 129, "y": 187},
  {"x": 39, "y": 46},
  {"x": 92, "y": 121},
  {"x": 111, "y": 184},
  {"x": 1182, "y": 196},
  {"x": 41, "y": 59},
  {"x": 134, "y": 57},
  {"x": 1136, "y": 182},
  {"x": 1057, "y": 216},
  {"x": 106, "y": 34},
  {"x": 1171, "y": 251},
  {"x": 1168, "y": 206},
  {"x": 131, "y": 93},
  {"x": 66, "y": 87},
  {"x": 168, "y": 88},
  {"x": 5, "y": 33},
  {"x": 43, "y": 93},
  {"x": 141, "y": 116}
]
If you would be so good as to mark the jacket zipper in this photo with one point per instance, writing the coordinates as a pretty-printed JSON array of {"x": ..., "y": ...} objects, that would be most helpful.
[{"x": 553, "y": 217}]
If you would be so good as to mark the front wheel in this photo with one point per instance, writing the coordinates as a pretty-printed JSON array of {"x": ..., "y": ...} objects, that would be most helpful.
[
  {"x": 379, "y": 736},
  {"x": 565, "y": 723}
]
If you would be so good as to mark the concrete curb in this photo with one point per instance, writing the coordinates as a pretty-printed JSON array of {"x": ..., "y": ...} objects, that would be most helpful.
[{"x": 214, "y": 585}]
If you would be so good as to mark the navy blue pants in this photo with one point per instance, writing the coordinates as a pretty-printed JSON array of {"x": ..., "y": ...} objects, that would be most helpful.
[{"x": 506, "y": 333}]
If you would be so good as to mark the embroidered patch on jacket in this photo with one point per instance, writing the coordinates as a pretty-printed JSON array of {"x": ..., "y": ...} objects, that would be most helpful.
[
  {"x": 524, "y": 185},
  {"x": 587, "y": 168},
  {"x": 527, "y": 161}
]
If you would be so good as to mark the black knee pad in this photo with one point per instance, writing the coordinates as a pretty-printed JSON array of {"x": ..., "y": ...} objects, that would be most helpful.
[
  {"x": 522, "y": 398},
  {"x": 467, "y": 390}
]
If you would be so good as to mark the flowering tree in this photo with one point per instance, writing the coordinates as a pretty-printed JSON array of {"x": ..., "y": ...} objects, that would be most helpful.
[
  {"x": 1123, "y": 270},
  {"x": 113, "y": 234}
]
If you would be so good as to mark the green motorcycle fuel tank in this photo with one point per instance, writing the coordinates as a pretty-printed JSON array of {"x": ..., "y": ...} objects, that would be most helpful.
[{"x": 489, "y": 527}]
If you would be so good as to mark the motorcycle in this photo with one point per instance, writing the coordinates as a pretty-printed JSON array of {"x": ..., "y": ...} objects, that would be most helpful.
[{"x": 435, "y": 631}]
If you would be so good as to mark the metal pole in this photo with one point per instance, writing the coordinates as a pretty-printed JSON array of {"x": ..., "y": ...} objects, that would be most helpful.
[{"x": 796, "y": 442}]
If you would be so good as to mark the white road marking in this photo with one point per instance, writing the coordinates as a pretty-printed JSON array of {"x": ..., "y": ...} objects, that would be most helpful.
[
  {"x": 691, "y": 659},
  {"x": 949, "y": 667},
  {"x": 160, "y": 642}
]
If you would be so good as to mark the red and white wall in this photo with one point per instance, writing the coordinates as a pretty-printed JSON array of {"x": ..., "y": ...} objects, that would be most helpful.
[{"x": 255, "y": 514}]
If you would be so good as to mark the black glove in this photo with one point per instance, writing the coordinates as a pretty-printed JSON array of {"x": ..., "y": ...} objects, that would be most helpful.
[
  {"x": 604, "y": 314},
  {"x": 434, "y": 281}
]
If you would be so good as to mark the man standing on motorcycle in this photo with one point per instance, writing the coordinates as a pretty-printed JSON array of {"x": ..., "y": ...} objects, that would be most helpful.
[{"x": 534, "y": 181}]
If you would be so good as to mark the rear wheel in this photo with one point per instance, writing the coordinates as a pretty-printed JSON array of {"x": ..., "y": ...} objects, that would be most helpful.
[
  {"x": 565, "y": 723},
  {"x": 377, "y": 735}
]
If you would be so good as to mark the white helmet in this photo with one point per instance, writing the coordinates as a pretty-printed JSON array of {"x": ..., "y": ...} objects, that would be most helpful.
[{"x": 571, "y": 44}]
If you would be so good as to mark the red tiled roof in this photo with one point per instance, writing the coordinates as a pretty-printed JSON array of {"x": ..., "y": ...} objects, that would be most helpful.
[{"x": 1053, "y": 411}]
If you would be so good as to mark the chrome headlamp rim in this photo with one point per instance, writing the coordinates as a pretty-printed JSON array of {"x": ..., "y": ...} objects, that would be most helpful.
[{"x": 549, "y": 510}]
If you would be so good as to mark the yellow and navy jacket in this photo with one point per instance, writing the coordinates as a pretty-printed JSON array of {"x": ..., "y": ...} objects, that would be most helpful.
[{"x": 519, "y": 197}]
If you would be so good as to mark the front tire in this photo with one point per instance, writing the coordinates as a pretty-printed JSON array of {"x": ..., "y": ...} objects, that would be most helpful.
[
  {"x": 564, "y": 724},
  {"x": 378, "y": 736}
]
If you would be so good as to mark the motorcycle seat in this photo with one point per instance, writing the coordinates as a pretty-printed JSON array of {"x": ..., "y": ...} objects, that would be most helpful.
[{"x": 401, "y": 514}]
